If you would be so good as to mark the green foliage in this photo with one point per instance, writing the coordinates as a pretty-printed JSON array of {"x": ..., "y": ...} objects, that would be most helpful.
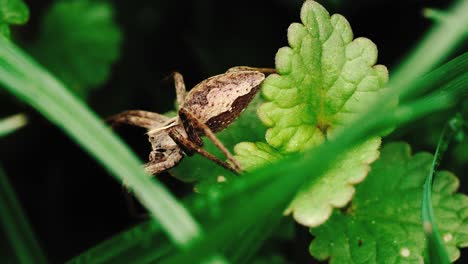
[
  {"x": 16, "y": 227},
  {"x": 325, "y": 81},
  {"x": 79, "y": 41},
  {"x": 12, "y": 12},
  {"x": 384, "y": 222}
]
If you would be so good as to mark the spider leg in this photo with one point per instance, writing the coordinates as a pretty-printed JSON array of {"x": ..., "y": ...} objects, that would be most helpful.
[
  {"x": 247, "y": 68},
  {"x": 200, "y": 126},
  {"x": 156, "y": 166},
  {"x": 185, "y": 143},
  {"x": 138, "y": 118},
  {"x": 180, "y": 88}
]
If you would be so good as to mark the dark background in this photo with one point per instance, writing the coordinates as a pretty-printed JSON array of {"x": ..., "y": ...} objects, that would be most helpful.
[{"x": 71, "y": 202}]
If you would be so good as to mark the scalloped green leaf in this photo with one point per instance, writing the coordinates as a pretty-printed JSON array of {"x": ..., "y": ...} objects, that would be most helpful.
[
  {"x": 79, "y": 41},
  {"x": 325, "y": 81},
  {"x": 383, "y": 224},
  {"x": 12, "y": 12}
]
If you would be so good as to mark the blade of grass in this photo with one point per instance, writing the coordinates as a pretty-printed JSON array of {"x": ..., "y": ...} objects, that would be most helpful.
[
  {"x": 435, "y": 14},
  {"x": 12, "y": 123},
  {"x": 436, "y": 45},
  {"x": 440, "y": 76},
  {"x": 23, "y": 77},
  {"x": 436, "y": 251},
  {"x": 16, "y": 226}
]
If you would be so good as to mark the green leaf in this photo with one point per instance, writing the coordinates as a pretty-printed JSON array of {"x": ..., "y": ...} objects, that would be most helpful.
[
  {"x": 14, "y": 12},
  {"x": 325, "y": 81},
  {"x": 79, "y": 41},
  {"x": 383, "y": 223}
]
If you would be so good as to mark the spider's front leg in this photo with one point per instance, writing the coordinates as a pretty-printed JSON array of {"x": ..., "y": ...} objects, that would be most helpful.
[
  {"x": 191, "y": 147},
  {"x": 193, "y": 124},
  {"x": 138, "y": 118},
  {"x": 265, "y": 71},
  {"x": 158, "y": 164},
  {"x": 180, "y": 88}
]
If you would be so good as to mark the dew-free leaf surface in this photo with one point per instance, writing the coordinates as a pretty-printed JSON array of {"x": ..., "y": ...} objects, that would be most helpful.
[
  {"x": 79, "y": 41},
  {"x": 325, "y": 81},
  {"x": 383, "y": 223}
]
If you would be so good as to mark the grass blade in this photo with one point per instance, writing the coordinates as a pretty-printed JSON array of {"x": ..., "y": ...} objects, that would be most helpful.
[
  {"x": 436, "y": 45},
  {"x": 16, "y": 226},
  {"x": 436, "y": 251},
  {"x": 12, "y": 123},
  {"x": 23, "y": 77}
]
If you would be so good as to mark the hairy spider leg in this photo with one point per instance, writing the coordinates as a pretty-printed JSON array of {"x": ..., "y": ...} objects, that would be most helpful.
[
  {"x": 265, "y": 71},
  {"x": 186, "y": 144},
  {"x": 138, "y": 118},
  {"x": 180, "y": 89},
  {"x": 197, "y": 125}
]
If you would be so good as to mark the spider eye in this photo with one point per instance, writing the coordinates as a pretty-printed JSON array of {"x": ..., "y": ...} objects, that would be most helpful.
[{"x": 161, "y": 150}]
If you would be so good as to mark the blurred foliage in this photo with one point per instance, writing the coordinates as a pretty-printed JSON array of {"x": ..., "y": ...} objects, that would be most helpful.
[
  {"x": 15, "y": 226},
  {"x": 79, "y": 42},
  {"x": 12, "y": 12},
  {"x": 12, "y": 123}
]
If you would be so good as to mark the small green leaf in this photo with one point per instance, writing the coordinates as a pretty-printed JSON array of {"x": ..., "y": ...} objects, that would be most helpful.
[
  {"x": 79, "y": 41},
  {"x": 325, "y": 81},
  {"x": 383, "y": 223},
  {"x": 14, "y": 12}
]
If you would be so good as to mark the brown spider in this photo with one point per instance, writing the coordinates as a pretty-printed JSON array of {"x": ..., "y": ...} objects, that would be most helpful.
[{"x": 211, "y": 106}]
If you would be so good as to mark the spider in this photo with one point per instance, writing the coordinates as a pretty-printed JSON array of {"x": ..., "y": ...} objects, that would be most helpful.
[{"x": 211, "y": 106}]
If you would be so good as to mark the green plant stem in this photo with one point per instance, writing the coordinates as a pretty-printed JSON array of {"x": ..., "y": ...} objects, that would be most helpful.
[
  {"x": 23, "y": 77},
  {"x": 436, "y": 251},
  {"x": 12, "y": 123},
  {"x": 16, "y": 227}
]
